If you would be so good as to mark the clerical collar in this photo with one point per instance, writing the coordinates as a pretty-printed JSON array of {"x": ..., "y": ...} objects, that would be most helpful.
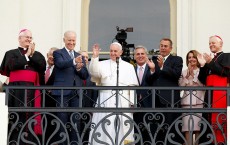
[{"x": 22, "y": 48}]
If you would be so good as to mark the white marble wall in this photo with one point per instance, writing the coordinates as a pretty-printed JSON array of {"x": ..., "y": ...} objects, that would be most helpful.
[
  {"x": 197, "y": 20},
  {"x": 47, "y": 19}
]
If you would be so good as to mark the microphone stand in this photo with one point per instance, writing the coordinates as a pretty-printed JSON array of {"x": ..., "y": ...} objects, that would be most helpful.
[
  {"x": 117, "y": 61},
  {"x": 117, "y": 101},
  {"x": 117, "y": 84}
]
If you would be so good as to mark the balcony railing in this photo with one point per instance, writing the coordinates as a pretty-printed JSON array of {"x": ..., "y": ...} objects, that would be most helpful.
[{"x": 146, "y": 125}]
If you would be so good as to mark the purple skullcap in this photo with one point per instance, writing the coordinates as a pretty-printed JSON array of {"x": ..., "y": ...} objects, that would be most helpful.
[
  {"x": 23, "y": 30},
  {"x": 218, "y": 37}
]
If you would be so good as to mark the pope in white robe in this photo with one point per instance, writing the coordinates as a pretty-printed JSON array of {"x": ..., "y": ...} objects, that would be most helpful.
[{"x": 104, "y": 73}]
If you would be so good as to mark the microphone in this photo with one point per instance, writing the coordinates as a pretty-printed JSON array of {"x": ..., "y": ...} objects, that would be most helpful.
[{"x": 117, "y": 60}]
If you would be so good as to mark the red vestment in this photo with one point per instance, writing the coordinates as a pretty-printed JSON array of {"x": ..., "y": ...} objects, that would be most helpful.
[
  {"x": 218, "y": 101},
  {"x": 30, "y": 76}
]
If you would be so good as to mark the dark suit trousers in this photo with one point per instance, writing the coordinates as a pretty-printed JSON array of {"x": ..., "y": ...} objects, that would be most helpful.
[
  {"x": 169, "y": 121},
  {"x": 71, "y": 121}
]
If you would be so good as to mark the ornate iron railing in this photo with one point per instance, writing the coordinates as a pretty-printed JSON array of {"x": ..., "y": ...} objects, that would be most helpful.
[{"x": 114, "y": 125}]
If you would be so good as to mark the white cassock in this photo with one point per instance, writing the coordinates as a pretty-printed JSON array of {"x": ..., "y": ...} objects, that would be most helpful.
[{"x": 104, "y": 73}]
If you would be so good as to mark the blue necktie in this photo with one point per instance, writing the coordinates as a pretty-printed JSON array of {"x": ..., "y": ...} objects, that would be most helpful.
[{"x": 71, "y": 54}]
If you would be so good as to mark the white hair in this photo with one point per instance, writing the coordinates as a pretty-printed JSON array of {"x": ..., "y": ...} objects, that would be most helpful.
[
  {"x": 118, "y": 44},
  {"x": 69, "y": 32}
]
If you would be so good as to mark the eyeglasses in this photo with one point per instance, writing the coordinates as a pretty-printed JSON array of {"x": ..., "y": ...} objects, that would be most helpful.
[{"x": 27, "y": 37}]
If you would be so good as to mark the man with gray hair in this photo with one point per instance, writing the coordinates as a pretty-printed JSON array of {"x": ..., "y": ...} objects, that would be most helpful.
[
  {"x": 142, "y": 70},
  {"x": 25, "y": 67},
  {"x": 144, "y": 97},
  {"x": 70, "y": 70},
  {"x": 104, "y": 73},
  {"x": 215, "y": 72}
]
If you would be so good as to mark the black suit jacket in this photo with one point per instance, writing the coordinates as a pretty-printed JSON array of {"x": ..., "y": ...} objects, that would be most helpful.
[
  {"x": 15, "y": 60},
  {"x": 146, "y": 97},
  {"x": 167, "y": 77},
  {"x": 66, "y": 73},
  {"x": 50, "y": 100}
]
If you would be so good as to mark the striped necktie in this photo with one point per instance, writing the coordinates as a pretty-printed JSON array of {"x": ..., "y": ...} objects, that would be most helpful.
[
  {"x": 71, "y": 54},
  {"x": 47, "y": 74}
]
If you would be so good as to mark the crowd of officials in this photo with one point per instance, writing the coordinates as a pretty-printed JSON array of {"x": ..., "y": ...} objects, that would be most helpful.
[{"x": 25, "y": 66}]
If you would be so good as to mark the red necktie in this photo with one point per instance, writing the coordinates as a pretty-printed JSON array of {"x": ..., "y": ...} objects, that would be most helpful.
[
  {"x": 47, "y": 74},
  {"x": 84, "y": 82}
]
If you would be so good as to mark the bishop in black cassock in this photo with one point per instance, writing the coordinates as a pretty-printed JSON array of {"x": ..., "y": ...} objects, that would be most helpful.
[
  {"x": 25, "y": 67},
  {"x": 215, "y": 72}
]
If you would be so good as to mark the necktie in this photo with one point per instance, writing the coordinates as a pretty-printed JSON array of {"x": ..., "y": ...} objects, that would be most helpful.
[
  {"x": 84, "y": 82},
  {"x": 47, "y": 74},
  {"x": 71, "y": 54},
  {"x": 140, "y": 74}
]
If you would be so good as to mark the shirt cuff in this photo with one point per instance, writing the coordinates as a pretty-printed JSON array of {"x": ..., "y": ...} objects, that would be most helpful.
[
  {"x": 195, "y": 79},
  {"x": 78, "y": 69},
  {"x": 152, "y": 72},
  {"x": 74, "y": 63},
  {"x": 161, "y": 68}
]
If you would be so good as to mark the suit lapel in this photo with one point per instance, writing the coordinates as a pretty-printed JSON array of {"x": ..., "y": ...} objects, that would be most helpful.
[
  {"x": 144, "y": 75},
  {"x": 168, "y": 60},
  {"x": 51, "y": 78},
  {"x": 145, "y": 72},
  {"x": 76, "y": 54},
  {"x": 65, "y": 53},
  {"x": 137, "y": 75},
  {"x": 135, "y": 69}
]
